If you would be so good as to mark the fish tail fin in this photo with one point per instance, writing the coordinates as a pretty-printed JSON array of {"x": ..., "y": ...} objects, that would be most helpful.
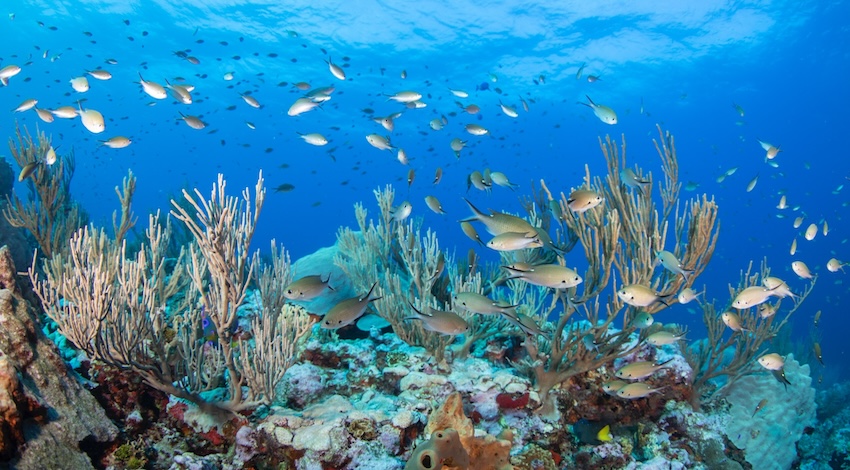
[{"x": 478, "y": 213}]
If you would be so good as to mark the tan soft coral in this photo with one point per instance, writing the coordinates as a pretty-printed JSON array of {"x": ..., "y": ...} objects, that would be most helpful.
[{"x": 448, "y": 425}]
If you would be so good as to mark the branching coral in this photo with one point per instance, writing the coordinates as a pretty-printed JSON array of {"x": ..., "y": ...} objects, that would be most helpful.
[
  {"x": 624, "y": 232},
  {"x": 48, "y": 213},
  {"x": 406, "y": 266},
  {"x": 735, "y": 356},
  {"x": 128, "y": 310}
]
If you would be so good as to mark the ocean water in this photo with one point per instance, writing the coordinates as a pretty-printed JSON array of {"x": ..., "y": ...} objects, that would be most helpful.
[{"x": 681, "y": 65}]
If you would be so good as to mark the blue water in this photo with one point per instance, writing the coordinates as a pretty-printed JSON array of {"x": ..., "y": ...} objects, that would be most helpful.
[{"x": 785, "y": 63}]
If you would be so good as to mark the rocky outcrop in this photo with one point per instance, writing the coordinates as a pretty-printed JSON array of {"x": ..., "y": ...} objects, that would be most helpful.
[{"x": 46, "y": 415}]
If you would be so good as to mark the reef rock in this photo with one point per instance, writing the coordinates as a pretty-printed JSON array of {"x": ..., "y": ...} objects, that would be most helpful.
[{"x": 46, "y": 416}]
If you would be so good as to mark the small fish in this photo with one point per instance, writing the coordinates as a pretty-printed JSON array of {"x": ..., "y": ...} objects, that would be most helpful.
[
  {"x": 772, "y": 361},
  {"x": 117, "y": 142},
  {"x": 459, "y": 93},
  {"x": 798, "y": 222},
  {"x": 639, "y": 370},
  {"x": 477, "y": 303},
  {"x": 638, "y": 295},
  {"x": 348, "y": 311},
  {"x": 438, "y": 175},
  {"x": 8, "y": 72},
  {"x": 767, "y": 310},
  {"x": 193, "y": 121},
  {"x": 772, "y": 151},
  {"x": 153, "y": 89},
  {"x": 780, "y": 377},
  {"x": 801, "y": 269},
  {"x": 738, "y": 109},
  {"x": 100, "y": 74},
  {"x": 500, "y": 179},
  {"x": 817, "y": 318},
  {"x": 604, "y": 113},
  {"x": 732, "y": 320},
  {"x": 44, "y": 114},
  {"x": 302, "y": 105},
  {"x": 447, "y": 323},
  {"x": 386, "y": 122},
  {"x": 434, "y": 204},
  {"x": 672, "y": 264},
  {"x": 65, "y": 112},
  {"x": 687, "y": 295},
  {"x": 228, "y": 76},
  {"x": 470, "y": 232},
  {"x": 314, "y": 139},
  {"x": 642, "y": 320},
  {"x": 435, "y": 124},
  {"x": 26, "y": 105},
  {"x": 379, "y": 142},
  {"x": 582, "y": 200},
  {"x": 524, "y": 104},
  {"x": 411, "y": 175},
  {"x": 513, "y": 241},
  {"x": 783, "y": 203},
  {"x": 401, "y": 156},
  {"x": 637, "y": 390},
  {"x": 180, "y": 92},
  {"x": 50, "y": 156},
  {"x": 612, "y": 386},
  {"x": 553, "y": 276},
  {"x": 497, "y": 222},
  {"x": 456, "y": 146},
  {"x": 818, "y": 353},
  {"x": 778, "y": 287},
  {"x": 752, "y": 296},
  {"x": 307, "y": 288},
  {"x": 752, "y": 184},
  {"x": 663, "y": 337},
  {"x": 92, "y": 120},
  {"x": 284, "y": 188},
  {"x": 475, "y": 129},
  {"x": 405, "y": 97},
  {"x": 834, "y": 265},
  {"x": 524, "y": 323},
  {"x": 825, "y": 228},
  {"x": 251, "y": 101},
  {"x": 580, "y": 70},
  {"x": 811, "y": 232},
  {"x": 336, "y": 70},
  {"x": 28, "y": 170},
  {"x": 402, "y": 211},
  {"x": 631, "y": 179},
  {"x": 80, "y": 84},
  {"x": 509, "y": 111},
  {"x": 761, "y": 405}
]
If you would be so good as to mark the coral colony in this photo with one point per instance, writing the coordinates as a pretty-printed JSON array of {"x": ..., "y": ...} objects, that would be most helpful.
[{"x": 173, "y": 345}]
